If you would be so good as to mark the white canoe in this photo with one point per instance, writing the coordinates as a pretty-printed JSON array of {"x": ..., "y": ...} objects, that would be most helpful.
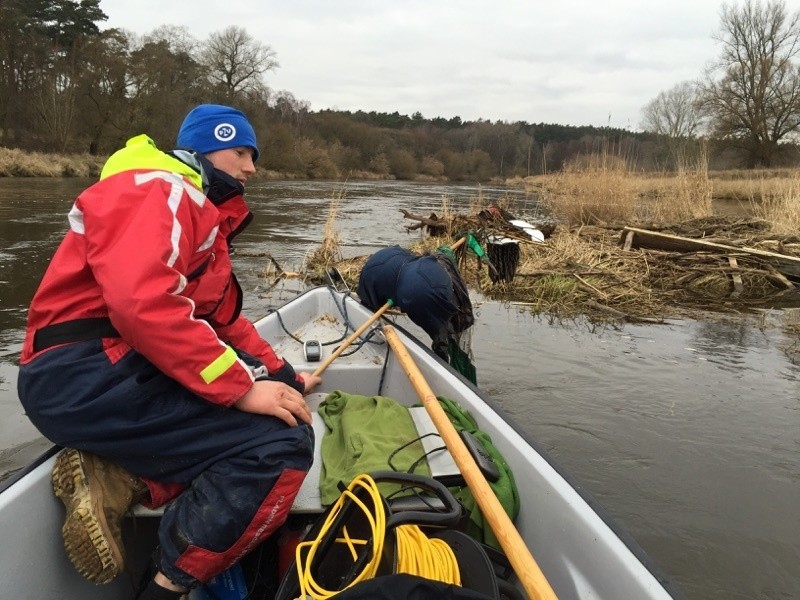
[{"x": 581, "y": 551}]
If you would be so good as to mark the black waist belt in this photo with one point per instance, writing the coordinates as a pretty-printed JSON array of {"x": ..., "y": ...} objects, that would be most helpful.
[{"x": 78, "y": 330}]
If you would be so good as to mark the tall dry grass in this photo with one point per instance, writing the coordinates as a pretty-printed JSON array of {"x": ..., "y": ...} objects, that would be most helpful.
[
  {"x": 779, "y": 205},
  {"x": 678, "y": 196},
  {"x": 592, "y": 189},
  {"x": 602, "y": 188},
  {"x": 17, "y": 163},
  {"x": 328, "y": 253}
]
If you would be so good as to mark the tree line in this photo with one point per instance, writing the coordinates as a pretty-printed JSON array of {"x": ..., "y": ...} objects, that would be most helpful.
[{"x": 68, "y": 85}]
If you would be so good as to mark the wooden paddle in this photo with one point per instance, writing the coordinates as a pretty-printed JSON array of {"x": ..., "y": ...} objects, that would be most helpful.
[
  {"x": 389, "y": 303},
  {"x": 455, "y": 245},
  {"x": 353, "y": 337},
  {"x": 521, "y": 559}
]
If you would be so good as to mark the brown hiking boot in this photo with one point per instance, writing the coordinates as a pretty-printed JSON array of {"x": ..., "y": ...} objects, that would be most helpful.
[{"x": 96, "y": 494}]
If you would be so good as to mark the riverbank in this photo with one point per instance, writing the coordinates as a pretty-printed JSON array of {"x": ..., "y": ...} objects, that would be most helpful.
[
  {"x": 678, "y": 190},
  {"x": 18, "y": 163}
]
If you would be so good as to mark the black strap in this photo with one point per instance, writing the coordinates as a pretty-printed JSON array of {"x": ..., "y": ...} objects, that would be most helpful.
[
  {"x": 77, "y": 330},
  {"x": 199, "y": 270}
]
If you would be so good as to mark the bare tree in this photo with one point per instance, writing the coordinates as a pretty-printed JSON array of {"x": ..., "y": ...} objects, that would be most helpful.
[
  {"x": 236, "y": 62},
  {"x": 177, "y": 38},
  {"x": 752, "y": 93},
  {"x": 56, "y": 107},
  {"x": 676, "y": 115},
  {"x": 290, "y": 109},
  {"x": 164, "y": 77}
]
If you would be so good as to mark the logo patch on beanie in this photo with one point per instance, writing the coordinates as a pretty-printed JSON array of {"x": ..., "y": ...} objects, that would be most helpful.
[{"x": 224, "y": 132}]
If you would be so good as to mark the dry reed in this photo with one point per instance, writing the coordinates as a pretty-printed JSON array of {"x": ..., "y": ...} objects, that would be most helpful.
[
  {"x": 592, "y": 189},
  {"x": 16, "y": 163},
  {"x": 603, "y": 189},
  {"x": 328, "y": 254},
  {"x": 780, "y": 205}
]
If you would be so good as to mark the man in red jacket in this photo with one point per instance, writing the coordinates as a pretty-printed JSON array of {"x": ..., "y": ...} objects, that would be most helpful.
[{"x": 138, "y": 361}]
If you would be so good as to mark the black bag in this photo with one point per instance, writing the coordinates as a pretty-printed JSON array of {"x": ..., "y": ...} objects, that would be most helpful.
[{"x": 408, "y": 587}]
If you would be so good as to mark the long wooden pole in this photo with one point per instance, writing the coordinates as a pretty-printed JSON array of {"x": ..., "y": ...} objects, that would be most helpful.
[
  {"x": 456, "y": 244},
  {"x": 353, "y": 337},
  {"x": 521, "y": 559}
]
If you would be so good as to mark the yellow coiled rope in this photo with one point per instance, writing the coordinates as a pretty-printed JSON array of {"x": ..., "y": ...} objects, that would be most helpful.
[{"x": 417, "y": 554}]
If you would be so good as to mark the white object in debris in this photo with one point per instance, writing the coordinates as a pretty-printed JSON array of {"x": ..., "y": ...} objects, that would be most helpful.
[
  {"x": 499, "y": 240},
  {"x": 536, "y": 235}
]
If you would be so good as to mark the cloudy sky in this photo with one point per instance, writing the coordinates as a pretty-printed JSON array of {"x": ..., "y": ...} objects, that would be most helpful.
[{"x": 575, "y": 62}]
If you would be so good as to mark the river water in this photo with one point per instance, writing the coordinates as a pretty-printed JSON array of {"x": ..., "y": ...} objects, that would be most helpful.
[{"x": 687, "y": 433}]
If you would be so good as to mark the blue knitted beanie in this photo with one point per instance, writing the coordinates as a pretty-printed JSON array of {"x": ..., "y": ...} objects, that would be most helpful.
[{"x": 210, "y": 127}]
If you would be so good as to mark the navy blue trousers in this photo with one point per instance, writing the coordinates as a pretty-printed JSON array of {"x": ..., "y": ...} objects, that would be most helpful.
[{"x": 240, "y": 471}]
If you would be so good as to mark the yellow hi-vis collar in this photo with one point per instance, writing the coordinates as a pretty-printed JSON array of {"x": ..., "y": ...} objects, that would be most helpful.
[{"x": 141, "y": 153}]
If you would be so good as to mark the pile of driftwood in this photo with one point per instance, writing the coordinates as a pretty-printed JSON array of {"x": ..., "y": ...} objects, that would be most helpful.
[
  {"x": 636, "y": 273},
  {"x": 612, "y": 273},
  {"x": 768, "y": 272}
]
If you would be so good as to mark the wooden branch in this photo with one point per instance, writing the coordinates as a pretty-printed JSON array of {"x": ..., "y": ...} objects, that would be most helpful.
[
  {"x": 788, "y": 265},
  {"x": 628, "y": 241},
  {"x": 619, "y": 314},
  {"x": 588, "y": 285},
  {"x": 607, "y": 309},
  {"x": 689, "y": 277},
  {"x": 738, "y": 286},
  {"x": 546, "y": 272},
  {"x": 423, "y": 221},
  {"x": 780, "y": 279}
]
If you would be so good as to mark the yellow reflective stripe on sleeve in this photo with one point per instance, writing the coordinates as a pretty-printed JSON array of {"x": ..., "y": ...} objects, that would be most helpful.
[{"x": 219, "y": 366}]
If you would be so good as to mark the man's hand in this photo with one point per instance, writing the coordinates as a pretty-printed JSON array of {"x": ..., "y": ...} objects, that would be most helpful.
[
  {"x": 275, "y": 399},
  {"x": 311, "y": 381}
]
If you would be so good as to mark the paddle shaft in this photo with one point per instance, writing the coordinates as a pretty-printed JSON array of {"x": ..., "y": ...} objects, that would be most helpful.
[
  {"x": 353, "y": 337},
  {"x": 521, "y": 559},
  {"x": 455, "y": 245}
]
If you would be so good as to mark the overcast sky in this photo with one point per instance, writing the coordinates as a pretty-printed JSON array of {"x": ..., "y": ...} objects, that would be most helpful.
[{"x": 572, "y": 62}]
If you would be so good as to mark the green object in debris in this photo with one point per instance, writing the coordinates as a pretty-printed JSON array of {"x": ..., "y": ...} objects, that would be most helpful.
[{"x": 475, "y": 246}]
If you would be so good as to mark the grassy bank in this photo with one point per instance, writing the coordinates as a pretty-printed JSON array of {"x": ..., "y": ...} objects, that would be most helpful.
[{"x": 16, "y": 163}]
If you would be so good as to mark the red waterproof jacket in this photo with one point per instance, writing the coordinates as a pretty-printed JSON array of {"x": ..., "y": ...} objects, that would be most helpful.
[{"x": 148, "y": 250}]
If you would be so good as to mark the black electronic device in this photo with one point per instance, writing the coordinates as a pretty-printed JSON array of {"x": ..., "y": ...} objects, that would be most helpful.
[
  {"x": 312, "y": 350},
  {"x": 481, "y": 456}
]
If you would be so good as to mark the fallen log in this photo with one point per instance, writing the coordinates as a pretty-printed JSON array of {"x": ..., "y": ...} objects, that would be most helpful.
[
  {"x": 433, "y": 223},
  {"x": 641, "y": 238}
]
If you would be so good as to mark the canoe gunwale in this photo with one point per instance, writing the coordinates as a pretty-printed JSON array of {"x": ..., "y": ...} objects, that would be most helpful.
[{"x": 29, "y": 468}]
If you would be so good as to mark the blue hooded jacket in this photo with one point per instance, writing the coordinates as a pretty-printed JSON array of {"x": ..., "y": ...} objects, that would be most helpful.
[{"x": 418, "y": 285}]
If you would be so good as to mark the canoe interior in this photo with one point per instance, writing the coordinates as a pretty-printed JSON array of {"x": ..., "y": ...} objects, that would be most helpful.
[{"x": 580, "y": 550}]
